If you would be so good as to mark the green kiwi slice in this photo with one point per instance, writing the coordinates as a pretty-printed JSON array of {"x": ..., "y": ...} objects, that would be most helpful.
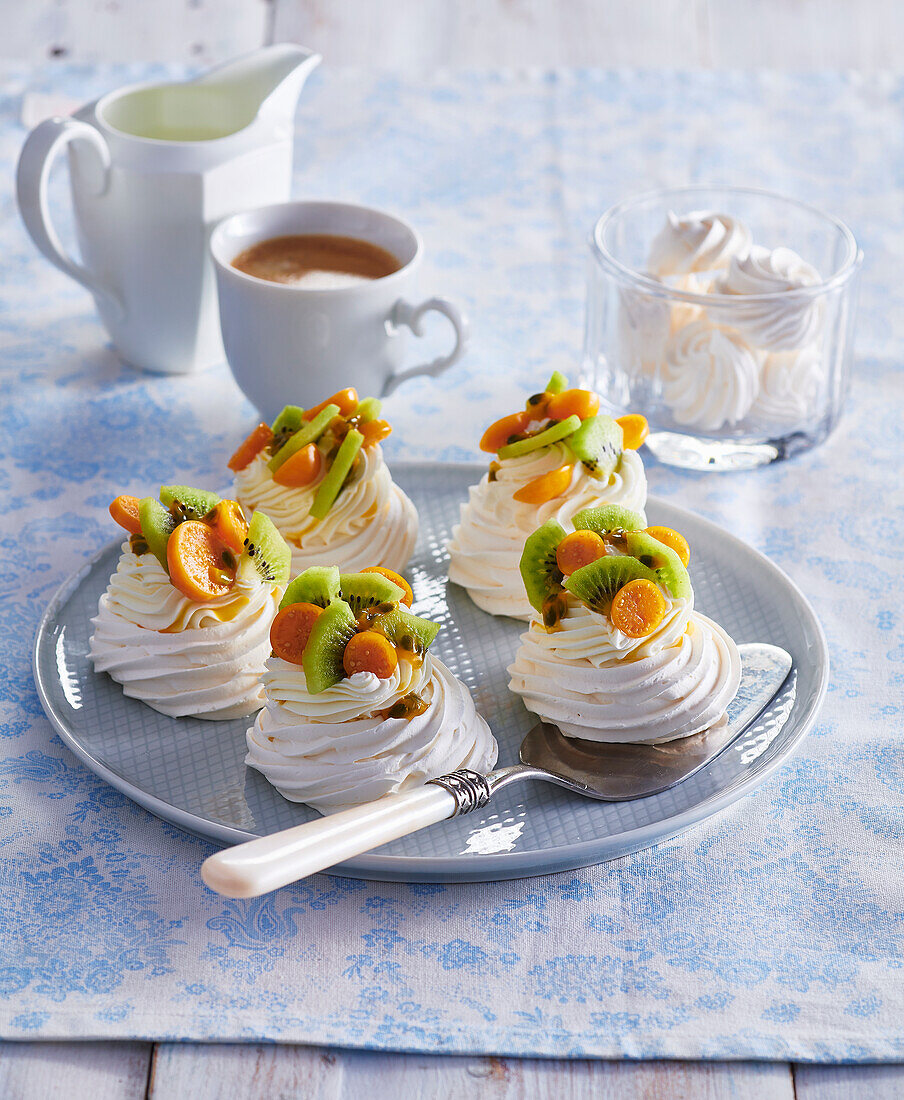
[
  {"x": 319, "y": 584},
  {"x": 362, "y": 591},
  {"x": 267, "y": 551},
  {"x": 306, "y": 434},
  {"x": 557, "y": 383},
  {"x": 542, "y": 577},
  {"x": 608, "y": 517},
  {"x": 336, "y": 475},
  {"x": 598, "y": 444},
  {"x": 663, "y": 561},
  {"x": 367, "y": 410},
  {"x": 322, "y": 660},
  {"x": 157, "y": 524},
  {"x": 186, "y": 502},
  {"x": 289, "y": 420},
  {"x": 543, "y": 439},
  {"x": 405, "y": 630},
  {"x": 595, "y": 584}
]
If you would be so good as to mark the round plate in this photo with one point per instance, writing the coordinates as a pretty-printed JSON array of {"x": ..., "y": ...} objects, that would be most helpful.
[{"x": 192, "y": 773}]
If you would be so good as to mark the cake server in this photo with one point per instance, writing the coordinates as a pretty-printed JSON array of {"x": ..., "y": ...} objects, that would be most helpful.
[{"x": 610, "y": 772}]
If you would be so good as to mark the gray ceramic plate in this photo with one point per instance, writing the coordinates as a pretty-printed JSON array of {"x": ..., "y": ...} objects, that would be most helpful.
[{"x": 192, "y": 773}]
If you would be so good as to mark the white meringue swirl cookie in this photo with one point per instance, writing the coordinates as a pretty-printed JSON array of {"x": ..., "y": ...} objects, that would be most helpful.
[
  {"x": 783, "y": 323},
  {"x": 703, "y": 240},
  {"x": 183, "y": 658},
  {"x": 790, "y": 385},
  {"x": 487, "y": 543},
  {"x": 711, "y": 376},
  {"x": 333, "y": 750},
  {"x": 595, "y": 683},
  {"x": 371, "y": 522}
]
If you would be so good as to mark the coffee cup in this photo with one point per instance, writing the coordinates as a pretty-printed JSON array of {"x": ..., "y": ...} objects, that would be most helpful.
[{"x": 296, "y": 341}]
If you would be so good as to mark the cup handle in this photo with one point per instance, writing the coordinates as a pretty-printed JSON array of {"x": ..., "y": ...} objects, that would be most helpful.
[
  {"x": 404, "y": 313},
  {"x": 42, "y": 146}
]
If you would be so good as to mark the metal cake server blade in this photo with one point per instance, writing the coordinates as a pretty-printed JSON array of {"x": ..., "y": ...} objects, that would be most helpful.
[{"x": 613, "y": 773}]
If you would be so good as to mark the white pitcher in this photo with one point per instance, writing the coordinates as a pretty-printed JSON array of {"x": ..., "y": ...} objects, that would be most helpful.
[{"x": 153, "y": 167}]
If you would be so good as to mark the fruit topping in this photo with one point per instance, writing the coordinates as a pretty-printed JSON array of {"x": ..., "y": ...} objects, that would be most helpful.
[
  {"x": 396, "y": 578},
  {"x": 125, "y": 511},
  {"x": 291, "y": 629},
  {"x": 410, "y": 633},
  {"x": 300, "y": 469},
  {"x": 597, "y": 583},
  {"x": 545, "y": 487},
  {"x": 309, "y": 432},
  {"x": 557, "y": 383},
  {"x": 250, "y": 448},
  {"x": 580, "y": 403},
  {"x": 409, "y": 706},
  {"x": 345, "y": 400},
  {"x": 578, "y": 549},
  {"x": 322, "y": 658},
  {"x": 228, "y": 520},
  {"x": 553, "y": 434},
  {"x": 368, "y": 409},
  {"x": 673, "y": 540},
  {"x": 638, "y": 608},
  {"x": 608, "y": 518},
  {"x": 598, "y": 444},
  {"x": 663, "y": 561},
  {"x": 335, "y": 477},
  {"x": 363, "y": 591},
  {"x": 369, "y": 651},
  {"x": 267, "y": 551},
  {"x": 539, "y": 569},
  {"x": 318, "y": 584},
  {"x": 375, "y": 431},
  {"x": 288, "y": 421},
  {"x": 200, "y": 565},
  {"x": 635, "y": 430},
  {"x": 187, "y": 503},
  {"x": 157, "y": 524},
  {"x": 506, "y": 430}
]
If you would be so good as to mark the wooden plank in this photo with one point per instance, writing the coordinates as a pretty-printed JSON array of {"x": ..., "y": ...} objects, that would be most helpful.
[
  {"x": 849, "y": 1082},
  {"x": 78, "y": 1071},
  {"x": 318, "y": 1073}
]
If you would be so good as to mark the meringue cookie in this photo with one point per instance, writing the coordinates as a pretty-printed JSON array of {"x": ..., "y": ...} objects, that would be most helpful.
[
  {"x": 643, "y": 325},
  {"x": 183, "y": 658},
  {"x": 371, "y": 522},
  {"x": 790, "y": 384},
  {"x": 487, "y": 543},
  {"x": 780, "y": 324},
  {"x": 703, "y": 240},
  {"x": 334, "y": 750},
  {"x": 710, "y": 377},
  {"x": 595, "y": 683}
]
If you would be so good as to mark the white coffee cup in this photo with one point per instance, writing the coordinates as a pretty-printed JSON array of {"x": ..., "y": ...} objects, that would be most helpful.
[{"x": 291, "y": 343}]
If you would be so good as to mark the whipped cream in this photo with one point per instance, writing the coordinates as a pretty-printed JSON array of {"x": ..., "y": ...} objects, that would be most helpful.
[
  {"x": 595, "y": 683},
  {"x": 181, "y": 657},
  {"x": 710, "y": 377},
  {"x": 782, "y": 323},
  {"x": 372, "y": 522},
  {"x": 700, "y": 241},
  {"x": 333, "y": 750},
  {"x": 487, "y": 543},
  {"x": 790, "y": 386}
]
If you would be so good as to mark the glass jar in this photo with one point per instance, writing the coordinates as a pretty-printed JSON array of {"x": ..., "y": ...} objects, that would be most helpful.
[{"x": 730, "y": 371}]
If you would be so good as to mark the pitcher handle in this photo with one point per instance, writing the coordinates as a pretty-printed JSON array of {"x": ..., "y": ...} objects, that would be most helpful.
[
  {"x": 404, "y": 313},
  {"x": 42, "y": 146}
]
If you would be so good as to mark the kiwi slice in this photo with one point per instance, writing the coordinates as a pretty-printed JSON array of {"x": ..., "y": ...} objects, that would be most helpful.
[
  {"x": 608, "y": 517},
  {"x": 362, "y": 591},
  {"x": 289, "y": 420},
  {"x": 319, "y": 584},
  {"x": 595, "y": 584},
  {"x": 543, "y": 439},
  {"x": 405, "y": 630},
  {"x": 157, "y": 524},
  {"x": 188, "y": 503},
  {"x": 306, "y": 434},
  {"x": 557, "y": 383},
  {"x": 542, "y": 577},
  {"x": 267, "y": 551},
  {"x": 598, "y": 444},
  {"x": 367, "y": 410},
  {"x": 663, "y": 561},
  {"x": 322, "y": 660},
  {"x": 336, "y": 475}
]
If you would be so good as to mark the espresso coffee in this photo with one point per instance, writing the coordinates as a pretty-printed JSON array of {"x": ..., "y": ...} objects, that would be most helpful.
[{"x": 316, "y": 261}]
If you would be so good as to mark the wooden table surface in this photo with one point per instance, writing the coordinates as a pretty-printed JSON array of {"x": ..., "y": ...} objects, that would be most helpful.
[{"x": 805, "y": 34}]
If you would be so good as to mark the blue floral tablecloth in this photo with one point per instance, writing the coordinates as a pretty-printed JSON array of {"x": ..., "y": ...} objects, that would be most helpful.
[{"x": 775, "y": 930}]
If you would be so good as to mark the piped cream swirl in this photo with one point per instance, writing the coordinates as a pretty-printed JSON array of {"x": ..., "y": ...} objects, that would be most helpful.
[
  {"x": 784, "y": 321},
  {"x": 595, "y": 683},
  {"x": 372, "y": 522},
  {"x": 710, "y": 377},
  {"x": 703, "y": 240},
  {"x": 334, "y": 750},
  {"x": 180, "y": 657},
  {"x": 487, "y": 543}
]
